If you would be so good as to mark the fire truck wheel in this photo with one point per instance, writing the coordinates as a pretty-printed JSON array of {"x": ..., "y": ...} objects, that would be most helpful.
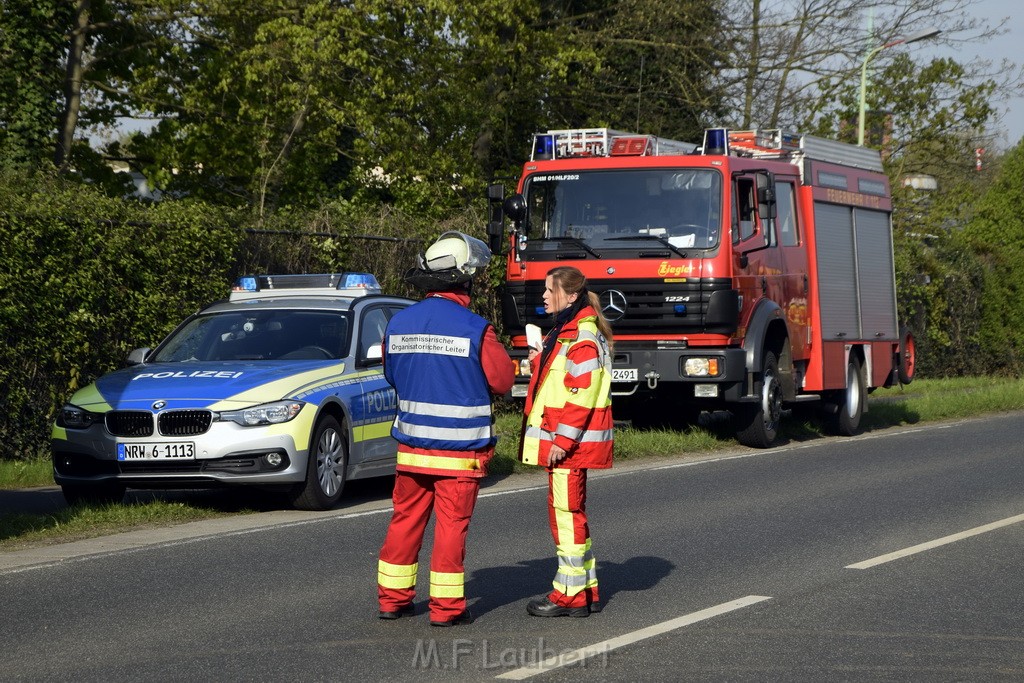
[
  {"x": 758, "y": 423},
  {"x": 325, "y": 468},
  {"x": 850, "y": 401},
  {"x": 906, "y": 357}
]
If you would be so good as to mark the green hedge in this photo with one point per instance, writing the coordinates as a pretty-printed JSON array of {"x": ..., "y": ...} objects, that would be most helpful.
[{"x": 85, "y": 278}]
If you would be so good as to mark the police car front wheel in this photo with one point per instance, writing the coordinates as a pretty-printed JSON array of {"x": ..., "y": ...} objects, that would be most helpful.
[{"x": 325, "y": 467}]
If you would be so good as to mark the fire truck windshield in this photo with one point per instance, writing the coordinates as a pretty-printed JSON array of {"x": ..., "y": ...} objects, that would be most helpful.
[{"x": 680, "y": 206}]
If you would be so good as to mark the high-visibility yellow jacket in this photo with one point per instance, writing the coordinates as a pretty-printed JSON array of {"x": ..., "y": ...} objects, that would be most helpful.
[{"x": 569, "y": 399}]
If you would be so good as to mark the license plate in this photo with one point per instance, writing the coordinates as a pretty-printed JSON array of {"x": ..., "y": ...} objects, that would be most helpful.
[
  {"x": 156, "y": 451},
  {"x": 623, "y": 374}
]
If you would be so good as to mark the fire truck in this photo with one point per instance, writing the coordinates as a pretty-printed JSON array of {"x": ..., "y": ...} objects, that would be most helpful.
[{"x": 749, "y": 273}]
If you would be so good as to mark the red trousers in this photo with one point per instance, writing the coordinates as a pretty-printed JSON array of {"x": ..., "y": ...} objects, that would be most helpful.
[
  {"x": 575, "y": 583},
  {"x": 415, "y": 497}
]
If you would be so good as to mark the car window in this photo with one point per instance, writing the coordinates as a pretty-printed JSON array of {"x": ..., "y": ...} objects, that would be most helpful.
[
  {"x": 259, "y": 335},
  {"x": 371, "y": 331}
]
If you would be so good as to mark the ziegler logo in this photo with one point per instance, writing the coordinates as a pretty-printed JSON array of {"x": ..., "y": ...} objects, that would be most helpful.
[{"x": 665, "y": 270}]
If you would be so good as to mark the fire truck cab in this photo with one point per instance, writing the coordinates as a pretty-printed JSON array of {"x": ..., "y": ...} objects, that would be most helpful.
[{"x": 749, "y": 272}]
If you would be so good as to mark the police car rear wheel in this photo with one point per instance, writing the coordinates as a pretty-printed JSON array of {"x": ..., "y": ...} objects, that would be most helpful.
[{"x": 325, "y": 468}]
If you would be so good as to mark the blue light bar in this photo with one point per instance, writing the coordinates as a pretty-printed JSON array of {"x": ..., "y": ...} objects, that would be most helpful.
[
  {"x": 680, "y": 309},
  {"x": 543, "y": 147},
  {"x": 716, "y": 141},
  {"x": 247, "y": 283},
  {"x": 359, "y": 281}
]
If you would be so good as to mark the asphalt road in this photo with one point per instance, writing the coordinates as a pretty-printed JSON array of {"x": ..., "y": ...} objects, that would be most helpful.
[{"x": 769, "y": 565}]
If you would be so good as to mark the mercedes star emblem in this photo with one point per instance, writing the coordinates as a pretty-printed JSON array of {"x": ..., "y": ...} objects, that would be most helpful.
[{"x": 613, "y": 304}]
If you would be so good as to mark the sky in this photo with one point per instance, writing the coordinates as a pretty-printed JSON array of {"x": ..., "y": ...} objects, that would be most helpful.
[{"x": 1007, "y": 46}]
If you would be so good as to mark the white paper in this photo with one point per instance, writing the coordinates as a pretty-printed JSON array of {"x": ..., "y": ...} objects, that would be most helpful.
[{"x": 534, "y": 338}]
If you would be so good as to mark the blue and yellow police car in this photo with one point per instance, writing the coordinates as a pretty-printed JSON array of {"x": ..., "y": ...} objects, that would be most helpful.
[{"x": 280, "y": 385}]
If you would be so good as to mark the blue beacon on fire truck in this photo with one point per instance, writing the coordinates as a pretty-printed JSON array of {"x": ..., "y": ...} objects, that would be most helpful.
[{"x": 278, "y": 386}]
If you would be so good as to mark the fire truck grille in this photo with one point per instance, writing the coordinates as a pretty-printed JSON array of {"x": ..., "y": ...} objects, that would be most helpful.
[
  {"x": 184, "y": 422},
  {"x": 632, "y": 307},
  {"x": 129, "y": 422}
]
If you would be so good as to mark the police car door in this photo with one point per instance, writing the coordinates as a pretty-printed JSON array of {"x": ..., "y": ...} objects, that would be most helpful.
[{"x": 374, "y": 411}]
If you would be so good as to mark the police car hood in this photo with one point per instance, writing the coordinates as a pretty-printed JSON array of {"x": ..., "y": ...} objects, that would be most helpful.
[{"x": 212, "y": 385}]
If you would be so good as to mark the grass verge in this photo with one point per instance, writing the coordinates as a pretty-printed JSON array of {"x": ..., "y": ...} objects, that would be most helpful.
[{"x": 922, "y": 401}]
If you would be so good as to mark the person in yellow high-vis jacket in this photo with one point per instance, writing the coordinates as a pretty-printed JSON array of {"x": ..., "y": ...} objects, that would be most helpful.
[{"x": 568, "y": 429}]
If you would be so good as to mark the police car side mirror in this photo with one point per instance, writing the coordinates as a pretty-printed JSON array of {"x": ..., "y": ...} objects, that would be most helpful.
[
  {"x": 375, "y": 353},
  {"x": 138, "y": 356}
]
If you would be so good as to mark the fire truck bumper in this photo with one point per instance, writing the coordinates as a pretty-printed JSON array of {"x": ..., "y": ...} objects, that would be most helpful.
[{"x": 701, "y": 373}]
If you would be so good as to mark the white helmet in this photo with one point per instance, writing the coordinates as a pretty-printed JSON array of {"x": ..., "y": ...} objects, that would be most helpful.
[{"x": 457, "y": 251}]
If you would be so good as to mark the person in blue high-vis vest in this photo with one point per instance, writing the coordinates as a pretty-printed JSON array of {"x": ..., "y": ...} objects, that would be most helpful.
[{"x": 445, "y": 363}]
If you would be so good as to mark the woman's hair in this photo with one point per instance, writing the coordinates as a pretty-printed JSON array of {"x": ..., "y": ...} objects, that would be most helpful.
[{"x": 572, "y": 281}]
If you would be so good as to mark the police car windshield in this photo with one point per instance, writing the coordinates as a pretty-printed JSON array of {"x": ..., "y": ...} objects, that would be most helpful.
[
  {"x": 259, "y": 335},
  {"x": 608, "y": 208}
]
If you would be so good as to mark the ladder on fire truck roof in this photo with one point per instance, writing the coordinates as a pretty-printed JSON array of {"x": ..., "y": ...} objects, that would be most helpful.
[
  {"x": 774, "y": 143},
  {"x": 771, "y": 143},
  {"x": 603, "y": 142}
]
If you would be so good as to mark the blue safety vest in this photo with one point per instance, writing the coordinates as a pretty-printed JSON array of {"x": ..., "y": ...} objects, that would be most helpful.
[{"x": 432, "y": 358}]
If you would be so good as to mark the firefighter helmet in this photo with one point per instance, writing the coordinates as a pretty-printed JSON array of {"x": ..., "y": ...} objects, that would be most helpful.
[{"x": 452, "y": 260}]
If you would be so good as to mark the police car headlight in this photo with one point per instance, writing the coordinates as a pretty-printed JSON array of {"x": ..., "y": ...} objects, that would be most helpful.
[
  {"x": 266, "y": 414},
  {"x": 73, "y": 417}
]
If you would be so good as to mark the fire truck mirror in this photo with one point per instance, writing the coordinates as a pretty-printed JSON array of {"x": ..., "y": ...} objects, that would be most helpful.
[
  {"x": 766, "y": 206},
  {"x": 515, "y": 207}
]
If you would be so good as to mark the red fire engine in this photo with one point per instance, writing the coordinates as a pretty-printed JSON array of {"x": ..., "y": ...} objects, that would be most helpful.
[{"x": 749, "y": 273}]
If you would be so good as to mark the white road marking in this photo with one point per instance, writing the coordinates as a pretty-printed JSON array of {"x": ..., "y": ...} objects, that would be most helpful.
[
  {"x": 882, "y": 559},
  {"x": 604, "y": 647}
]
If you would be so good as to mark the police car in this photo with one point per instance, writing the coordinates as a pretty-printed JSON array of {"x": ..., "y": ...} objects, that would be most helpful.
[{"x": 280, "y": 385}]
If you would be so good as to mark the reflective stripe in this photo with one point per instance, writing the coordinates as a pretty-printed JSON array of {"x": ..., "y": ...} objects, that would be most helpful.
[
  {"x": 577, "y": 581},
  {"x": 575, "y": 572},
  {"x": 437, "y": 462},
  {"x": 560, "y": 503},
  {"x": 447, "y": 584},
  {"x": 432, "y": 409},
  {"x": 445, "y": 433},
  {"x": 397, "y": 569},
  {"x": 591, "y": 435},
  {"x": 577, "y": 369},
  {"x": 396, "y": 576},
  {"x": 573, "y": 433}
]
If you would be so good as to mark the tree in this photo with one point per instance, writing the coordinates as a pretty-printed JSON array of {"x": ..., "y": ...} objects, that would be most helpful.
[
  {"x": 652, "y": 67},
  {"x": 32, "y": 33},
  {"x": 365, "y": 100},
  {"x": 791, "y": 59},
  {"x": 996, "y": 234}
]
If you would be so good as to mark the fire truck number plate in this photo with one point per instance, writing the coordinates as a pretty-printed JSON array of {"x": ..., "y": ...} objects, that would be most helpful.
[{"x": 623, "y": 374}]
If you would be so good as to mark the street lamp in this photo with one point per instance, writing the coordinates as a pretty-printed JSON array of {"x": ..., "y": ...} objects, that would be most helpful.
[{"x": 927, "y": 33}]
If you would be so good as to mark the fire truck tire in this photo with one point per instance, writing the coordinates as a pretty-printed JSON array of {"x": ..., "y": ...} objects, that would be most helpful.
[
  {"x": 758, "y": 423},
  {"x": 325, "y": 467},
  {"x": 850, "y": 401},
  {"x": 906, "y": 357}
]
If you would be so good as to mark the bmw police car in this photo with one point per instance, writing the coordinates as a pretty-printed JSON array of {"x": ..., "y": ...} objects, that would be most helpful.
[{"x": 279, "y": 385}]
